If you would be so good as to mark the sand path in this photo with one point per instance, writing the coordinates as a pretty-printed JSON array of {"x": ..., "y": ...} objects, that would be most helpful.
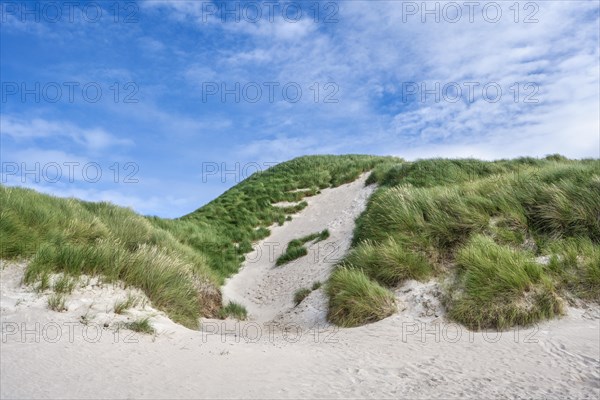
[{"x": 267, "y": 290}]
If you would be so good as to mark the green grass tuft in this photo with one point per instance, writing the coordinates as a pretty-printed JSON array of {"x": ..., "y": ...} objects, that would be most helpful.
[
  {"x": 300, "y": 295},
  {"x": 295, "y": 208},
  {"x": 575, "y": 265},
  {"x": 235, "y": 310},
  {"x": 295, "y": 248},
  {"x": 291, "y": 253},
  {"x": 389, "y": 263},
  {"x": 141, "y": 325},
  {"x": 56, "y": 302},
  {"x": 43, "y": 282},
  {"x": 356, "y": 300},
  {"x": 64, "y": 284},
  {"x": 123, "y": 305}
]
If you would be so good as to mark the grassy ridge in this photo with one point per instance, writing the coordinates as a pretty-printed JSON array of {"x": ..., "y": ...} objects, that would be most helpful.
[
  {"x": 237, "y": 213},
  {"x": 485, "y": 222},
  {"x": 77, "y": 237},
  {"x": 179, "y": 263},
  {"x": 225, "y": 228}
]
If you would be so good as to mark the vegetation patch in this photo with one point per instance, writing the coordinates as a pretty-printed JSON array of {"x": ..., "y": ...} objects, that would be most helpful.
[
  {"x": 122, "y": 306},
  {"x": 575, "y": 265},
  {"x": 300, "y": 295},
  {"x": 303, "y": 293},
  {"x": 389, "y": 263},
  {"x": 295, "y": 208},
  {"x": 141, "y": 325},
  {"x": 234, "y": 310},
  {"x": 355, "y": 300},
  {"x": 57, "y": 302},
  {"x": 64, "y": 284},
  {"x": 499, "y": 287},
  {"x": 43, "y": 282},
  {"x": 295, "y": 249}
]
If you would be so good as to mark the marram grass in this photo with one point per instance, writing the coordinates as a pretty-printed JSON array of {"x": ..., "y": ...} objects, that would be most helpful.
[
  {"x": 355, "y": 300},
  {"x": 484, "y": 225}
]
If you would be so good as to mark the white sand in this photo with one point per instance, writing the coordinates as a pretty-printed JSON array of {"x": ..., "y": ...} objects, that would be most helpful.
[{"x": 413, "y": 354}]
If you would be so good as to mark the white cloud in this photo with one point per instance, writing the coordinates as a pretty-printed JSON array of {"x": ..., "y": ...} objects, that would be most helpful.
[{"x": 92, "y": 139}]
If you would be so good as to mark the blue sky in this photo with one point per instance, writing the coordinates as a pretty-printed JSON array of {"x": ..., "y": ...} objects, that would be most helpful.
[{"x": 173, "y": 101}]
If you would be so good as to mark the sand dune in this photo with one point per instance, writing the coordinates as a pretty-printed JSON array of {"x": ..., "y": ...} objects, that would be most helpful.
[{"x": 287, "y": 351}]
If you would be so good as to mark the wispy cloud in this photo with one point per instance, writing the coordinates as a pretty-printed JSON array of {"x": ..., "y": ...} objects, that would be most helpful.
[{"x": 91, "y": 139}]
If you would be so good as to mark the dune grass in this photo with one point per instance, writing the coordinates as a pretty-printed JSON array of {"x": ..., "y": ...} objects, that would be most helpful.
[
  {"x": 121, "y": 306},
  {"x": 355, "y": 300},
  {"x": 388, "y": 263},
  {"x": 57, "y": 302},
  {"x": 575, "y": 265},
  {"x": 418, "y": 224},
  {"x": 43, "y": 282},
  {"x": 64, "y": 284},
  {"x": 169, "y": 282},
  {"x": 295, "y": 248},
  {"x": 294, "y": 209},
  {"x": 235, "y": 310},
  {"x": 443, "y": 171},
  {"x": 300, "y": 295},
  {"x": 427, "y": 216},
  {"x": 141, "y": 325},
  {"x": 291, "y": 254},
  {"x": 500, "y": 287},
  {"x": 74, "y": 237}
]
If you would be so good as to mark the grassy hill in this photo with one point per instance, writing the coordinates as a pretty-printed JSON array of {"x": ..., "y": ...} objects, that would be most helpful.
[
  {"x": 76, "y": 237},
  {"x": 178, "y": 263},
  {"x": 513, "y": 240}
]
